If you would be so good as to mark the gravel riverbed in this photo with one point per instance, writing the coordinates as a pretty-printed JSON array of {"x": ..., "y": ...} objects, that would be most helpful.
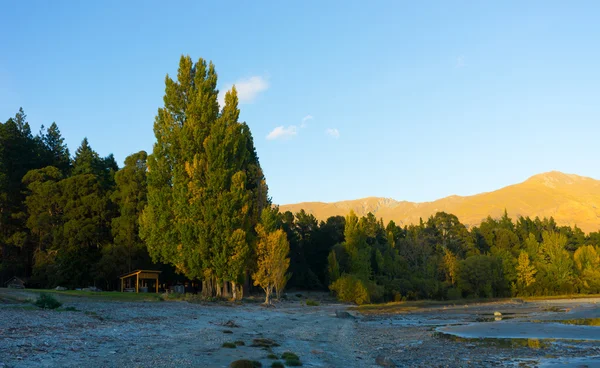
[{"x": 181, "y": 334}]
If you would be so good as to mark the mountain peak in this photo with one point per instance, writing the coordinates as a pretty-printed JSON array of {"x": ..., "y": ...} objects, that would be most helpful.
[
  {"x": 570, "y": 199},
  {"x": 553, "y": 178}
]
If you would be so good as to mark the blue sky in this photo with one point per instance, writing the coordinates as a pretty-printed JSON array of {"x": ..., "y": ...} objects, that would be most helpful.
[{"x": 345, "y": 99}]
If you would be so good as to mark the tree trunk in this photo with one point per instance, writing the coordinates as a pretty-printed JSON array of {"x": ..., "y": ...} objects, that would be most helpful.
[
  {"x": 225, "y": 289},
  {"x": 233, "y": 291},
  {"x": 218, "y": 288},
  {"x": 246, "y": 285}
]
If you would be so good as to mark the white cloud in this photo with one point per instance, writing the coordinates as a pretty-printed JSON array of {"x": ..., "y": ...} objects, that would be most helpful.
[
  {"x": 283, "y": 133},
  {"x": 305, "y": 119},
  {"x": 460, "y": 62},
  {"x": 332, "y": 132},
  {"x": 247, "y": 88}
]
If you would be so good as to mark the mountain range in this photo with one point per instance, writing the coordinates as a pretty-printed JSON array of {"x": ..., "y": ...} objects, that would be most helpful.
[{"x": 570, "y": 199}]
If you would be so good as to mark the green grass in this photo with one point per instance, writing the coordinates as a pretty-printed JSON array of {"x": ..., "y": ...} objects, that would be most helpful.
[
  {"x": 402, "y": 307},
  {"x": 229, "y": 345},
  {"x": 102, "y": 295},
  {"x": 289, "y": 355},
  {"x": 312, "y": 303},
  {"x": 272, "y": 356},
  {"x": 293, "y": 363}
]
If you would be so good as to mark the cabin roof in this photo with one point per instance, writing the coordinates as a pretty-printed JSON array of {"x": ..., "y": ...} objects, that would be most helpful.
[{"x": 137, "y": 272}]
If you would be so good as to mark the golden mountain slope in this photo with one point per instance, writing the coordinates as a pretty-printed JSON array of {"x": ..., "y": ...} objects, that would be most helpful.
[{"x": 570, "y": 199}]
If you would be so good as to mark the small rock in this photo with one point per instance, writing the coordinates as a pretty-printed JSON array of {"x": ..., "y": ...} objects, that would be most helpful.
[
  {"x": 343, "y": 314},
  {"x": 497, "y": 314}
]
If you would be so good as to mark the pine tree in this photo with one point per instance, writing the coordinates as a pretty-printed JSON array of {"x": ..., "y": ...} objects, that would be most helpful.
[{"x": 58, "y": 151}]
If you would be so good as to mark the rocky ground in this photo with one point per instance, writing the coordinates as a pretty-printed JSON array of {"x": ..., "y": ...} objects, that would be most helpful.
[{"x": 181, "y": 334}]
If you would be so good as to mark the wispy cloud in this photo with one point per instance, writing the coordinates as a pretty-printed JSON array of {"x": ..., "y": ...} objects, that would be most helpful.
[
  {"x": 332, "y": 132},
  {"x": 247, "y": 88},
  {"x": 305, "y": 119},
  {"x": 460, "y": 62},
  {"x": 283, "y": 133}
]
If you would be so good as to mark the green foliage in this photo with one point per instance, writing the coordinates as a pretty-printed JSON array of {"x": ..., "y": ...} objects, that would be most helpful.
[
  {"x": 289, "y": 355},
  {"x": 312, "y": 303},
  {"x": 277, "y": 365},
  {"x": 272, "y": 356},
  {"x": 47, "y": 301},
  {"x": 245, "y": 363},
  {"x": 205, "y": 185},
  {"x": 293, "y": 363},
  {"x": 350, "y": 288},
  {"x": 229, "y": 345}
]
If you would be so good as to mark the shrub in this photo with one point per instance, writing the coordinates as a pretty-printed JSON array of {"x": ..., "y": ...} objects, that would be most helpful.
[
  {"x": 312, "y": 303},
  {"x": 289, "y": 355},
  {"x": 293, "y": 363},
  {"x": 272, "y": 356},
  {"x": 240, "y": 343},
  {"x": 47, "y": 301},
  {"x": 351, "y": 289},
  {"x": 277, "y": 365},
  {"x": 261, "y": 342},
  {"x": 230, "y": 345},
  {"x": 71, "y": 309},
  {"x": 245, "y": 363}
]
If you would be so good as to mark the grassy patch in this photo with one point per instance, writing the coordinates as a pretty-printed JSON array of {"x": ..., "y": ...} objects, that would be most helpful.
[
  {"x": 229, "y": 345},
  {"x": 263, "y": 343},
  {"x": 245, "y": 363},
  {"x": 240, "y": 343},
  {"x": 312, "y": 303},
  {"x": 71, "y": 309},
  {"x": 277, "y": 365},
  {"x": 47, "y": 301},
  {"x": 272, "y": 356},
  {"x": 407, "y": 306},
  {"x": 289, "y": 355},
  {"x": 102, "y": 295},
  {"x": 293, "y": 362}
]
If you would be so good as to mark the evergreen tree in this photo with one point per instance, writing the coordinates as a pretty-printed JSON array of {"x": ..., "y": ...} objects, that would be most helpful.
[{"x": 58, "y": 152}]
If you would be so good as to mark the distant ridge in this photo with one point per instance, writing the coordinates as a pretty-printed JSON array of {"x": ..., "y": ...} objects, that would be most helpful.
[{"x": 570, "y": 199}]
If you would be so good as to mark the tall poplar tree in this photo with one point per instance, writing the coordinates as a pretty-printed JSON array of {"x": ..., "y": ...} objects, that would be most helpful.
[{"x": 205, "y": 185}]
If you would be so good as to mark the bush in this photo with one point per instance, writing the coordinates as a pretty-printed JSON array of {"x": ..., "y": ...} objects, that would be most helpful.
[
  {"x": 245, "y": 363},
  {"x": 293, "y": 363},
  {"x": 312, "y": 303},
  {"x": 289, "y": 355},
  {"x": 240, "y": 343},
  {"x": 272, "y": 356},
  {"x": 349, "y": 288},
  {"x": 230, "y": 345},
  {"x": 71, "y": 309},
  {"x": 277, "y": 365},
  {"x": 47, "y": 301}
]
